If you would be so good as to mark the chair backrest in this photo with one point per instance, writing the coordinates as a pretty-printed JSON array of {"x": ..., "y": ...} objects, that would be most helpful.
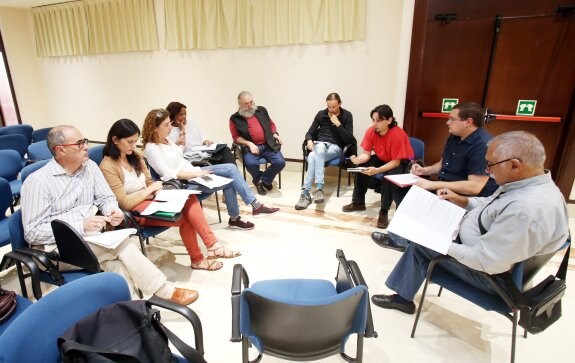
[
  {"x": 40, "y": 134},
  {"x": 525, "y": 271},
  {"x": 39, "y": 151},
  {"x": 418, "y": 148},
  {"x": 10, "y": 164},
  {"x": 309, "y": 330},
  {"x": 5, "y": 198},
  {"x": 22, "y": 129},
  {"x": 29, "y": 169},
  {"x": 17, "y": 231},
  {"x": 72, "y": 247},
  {"x": 15, "y": 142},
  {"x": 96, "y": 153},
  {"x": 44, "y": 321}
]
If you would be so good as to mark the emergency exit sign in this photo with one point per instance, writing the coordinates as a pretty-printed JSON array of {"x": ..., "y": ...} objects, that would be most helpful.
[
  {"x": 448, "y": 104},
  {"x": 526, "y": 107}
]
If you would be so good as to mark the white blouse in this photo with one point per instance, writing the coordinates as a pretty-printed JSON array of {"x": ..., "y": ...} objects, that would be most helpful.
[
  {"x": 132, "y": 182},
  {"x": 167, "y": 160}
]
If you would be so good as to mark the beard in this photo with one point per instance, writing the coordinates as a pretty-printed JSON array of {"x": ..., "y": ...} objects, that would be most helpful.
[{"x": 247, "y": 113}]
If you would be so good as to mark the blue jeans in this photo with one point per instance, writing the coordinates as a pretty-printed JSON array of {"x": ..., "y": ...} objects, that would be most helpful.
[
  {"x": 252, "y": 162},
  {"x": 322, "y": 153},
  {"x": 238, "y": 185},
  {"x": 410, "y": 271}
]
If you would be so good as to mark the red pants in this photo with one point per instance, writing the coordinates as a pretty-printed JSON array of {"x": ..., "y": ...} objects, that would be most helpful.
[{"x": 193, "y": 221}]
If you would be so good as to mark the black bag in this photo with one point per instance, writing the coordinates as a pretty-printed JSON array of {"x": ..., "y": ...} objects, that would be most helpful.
[
  {"x": 7, "y": 303},
  {"x": 544, "y": 305},
  {"x": 129, "y": 332},
  {"x": 175, "y": 184}
]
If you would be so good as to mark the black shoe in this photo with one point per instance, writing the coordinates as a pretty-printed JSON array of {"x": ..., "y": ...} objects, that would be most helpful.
[
  {"x": 382, "y": 220},
  {"x": 267, "y": 186},
  {"x": 390, "y": 302},
  {"x": 382, "y": 240},
  {"x": 260, "y": 188}
]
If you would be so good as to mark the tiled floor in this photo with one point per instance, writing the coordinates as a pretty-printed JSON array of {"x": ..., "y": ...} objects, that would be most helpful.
[{"x": 303, "y": 244}]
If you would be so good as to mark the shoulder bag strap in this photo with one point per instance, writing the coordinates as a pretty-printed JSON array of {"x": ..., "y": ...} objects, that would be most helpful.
[
  {"x": 189, "y": 353},
  {"x": 70, "y": 346}
]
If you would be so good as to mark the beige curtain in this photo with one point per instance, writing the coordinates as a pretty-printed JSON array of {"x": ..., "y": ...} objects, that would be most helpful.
[
  {"x": 121, "y": 25},
  {"x": 210, "y": 24},
  {"x": 61, "y": 30}
]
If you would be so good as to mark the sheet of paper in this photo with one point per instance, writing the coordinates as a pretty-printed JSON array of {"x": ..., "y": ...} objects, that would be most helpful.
[
  {"x": 212, "y": 180},
  {"x": 110, "y": 239},
  {"x": 359, "y": 169},
  {"x": 174, "y": 194},
  {"x": 212, "y": 147},
  {"x": 403, "y": 180},
  {"x": 427, "y": 220}
]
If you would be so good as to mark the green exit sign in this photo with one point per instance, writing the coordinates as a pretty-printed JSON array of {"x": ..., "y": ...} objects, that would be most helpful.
[
  {"x": 448, "y": 104},
  {"x": 526, "y": 107}
]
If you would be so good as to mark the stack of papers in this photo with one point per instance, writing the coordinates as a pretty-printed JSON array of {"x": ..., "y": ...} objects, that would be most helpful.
[
  {"x": 168, "y": 203},
  {"x": 427, "y": 220},
  {"x": 403, "y": 180},
  {"x": 212, "y": 147},
  {"x": 110, "y": 239},
  {"x": 358, "y": 169}
]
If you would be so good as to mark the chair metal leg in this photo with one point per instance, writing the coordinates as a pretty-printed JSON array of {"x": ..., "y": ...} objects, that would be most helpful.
[
  {"x": 143, "y": 245},
  {"x": 338, "y": 181},
  {"x": 218, "y": 207},
  {"x": 439, "y": 292},
  {"x": 420, "y": 306},
  {"x": 513, "y": 335},
  {"x": 280, "y": 178}
]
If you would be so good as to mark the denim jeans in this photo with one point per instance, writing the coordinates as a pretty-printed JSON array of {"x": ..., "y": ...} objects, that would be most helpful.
[
  {"x": 322, "y": 153},
  {"x": 237, "y": 185},
  {"x": 252, "y": 162}
]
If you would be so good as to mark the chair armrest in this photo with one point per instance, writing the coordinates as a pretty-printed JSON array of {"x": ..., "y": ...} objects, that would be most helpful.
[
  {"x": 359, "y": 280},
  {"x": 130, "y": 221},
  {"x": 238, "y": 276},
  {"x": 45, "y": 259},
  {"x": 33, "y": 269},
  {"x": 187, "y": 313}
]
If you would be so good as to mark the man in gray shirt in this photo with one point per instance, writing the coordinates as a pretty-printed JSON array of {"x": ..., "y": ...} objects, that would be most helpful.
[{"x": 525, "y": 217}]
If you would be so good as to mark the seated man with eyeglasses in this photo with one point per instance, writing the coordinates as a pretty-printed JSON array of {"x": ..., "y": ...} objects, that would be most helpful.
[
  {"x": 526, "y": 216},
  {"x": 67, "y": 188},
  {"x": 462, "y": 165}
]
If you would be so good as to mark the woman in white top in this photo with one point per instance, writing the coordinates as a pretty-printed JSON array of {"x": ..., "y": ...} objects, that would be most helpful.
[
  {"x": 167, "y": 159},
  {"x": 126, "y": 173}
]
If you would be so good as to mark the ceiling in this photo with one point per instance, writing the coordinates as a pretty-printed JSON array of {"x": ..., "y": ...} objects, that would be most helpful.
[{"x": 27, "y": 3}]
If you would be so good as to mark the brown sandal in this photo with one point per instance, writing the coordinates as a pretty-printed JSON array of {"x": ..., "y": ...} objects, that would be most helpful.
[
  {"x": 222, "y": 252},
  {"x": 208, "y": 265}
]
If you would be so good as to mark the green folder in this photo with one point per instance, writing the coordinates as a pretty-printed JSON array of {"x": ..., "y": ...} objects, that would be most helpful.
[{"x": 165, "y": 214}]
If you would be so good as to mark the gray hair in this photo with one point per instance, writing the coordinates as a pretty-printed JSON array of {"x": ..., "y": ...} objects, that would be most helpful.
[
  {"x": 244, "y": 93},
  {"x": 520, "y": 145},
  {"x": 56, "y": 137}
]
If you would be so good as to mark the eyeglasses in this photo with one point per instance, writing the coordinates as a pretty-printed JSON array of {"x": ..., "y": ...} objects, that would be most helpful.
[
  {"x": 80, "y": 144},
  {"x": 451, "y": 119},
  {"x": 489, "y": 165}
]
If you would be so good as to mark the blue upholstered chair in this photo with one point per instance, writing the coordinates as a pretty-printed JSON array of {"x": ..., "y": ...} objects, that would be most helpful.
[
  {"x": 10, "y": 166},
  {"x": 39, "y": 264},
  {"x": 504, "y": 302},
  {"x": 340, "y": 162},
  {"x": 16, "y": 142},
  {"x": 40, "y": 134},
  {"x": 5, "y": 203},
  {"x": 301, "y": 319},
  {"x": 96, "y": 153},
  {"x": 30, "y": 168},
  {"x": 39, "y": 151},
  {"x": 60, "y": 310},
  {"x": 21, "y": 129}
]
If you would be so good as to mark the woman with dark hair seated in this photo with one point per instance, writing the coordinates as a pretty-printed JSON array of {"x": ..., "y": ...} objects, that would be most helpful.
[
  {"x": 168, "y": 161},
  {"x": 126, "y": 173}
]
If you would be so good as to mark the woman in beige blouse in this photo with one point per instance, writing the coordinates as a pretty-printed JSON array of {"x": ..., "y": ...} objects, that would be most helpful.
[{"x": 126, "y": 173}]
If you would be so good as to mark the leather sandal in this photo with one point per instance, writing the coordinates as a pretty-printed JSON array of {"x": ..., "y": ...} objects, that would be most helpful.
[
  {"x": 222, "y": 252},
  {"x": 208, "y": 265}
]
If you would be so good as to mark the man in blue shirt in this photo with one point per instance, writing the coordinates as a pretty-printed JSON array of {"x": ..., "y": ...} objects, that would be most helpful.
[{"x": 462, "y": 165}]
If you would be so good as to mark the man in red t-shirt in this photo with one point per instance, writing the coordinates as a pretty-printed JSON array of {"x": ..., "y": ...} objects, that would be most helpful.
[
  {"x": 253, "y": 128},
  {"x": 386, "y": 149}
]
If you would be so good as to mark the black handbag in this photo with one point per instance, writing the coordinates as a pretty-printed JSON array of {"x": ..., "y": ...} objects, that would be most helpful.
[
  {"x": 175, "y": 184},
  {"x": 7, "y": 303},
  {"x": 129, "y": 332}
]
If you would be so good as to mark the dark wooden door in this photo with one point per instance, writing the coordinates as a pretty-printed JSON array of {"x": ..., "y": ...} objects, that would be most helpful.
[{"x": 494, "y": 53}]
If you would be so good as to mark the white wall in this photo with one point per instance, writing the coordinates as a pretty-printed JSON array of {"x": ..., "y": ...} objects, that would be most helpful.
[{"x": 291, "y": 81}]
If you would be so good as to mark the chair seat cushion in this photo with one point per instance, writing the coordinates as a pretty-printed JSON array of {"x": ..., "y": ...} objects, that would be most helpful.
[
  {"x": 295, "y": 291},
  {"x": 15, "y": 186},
  {"x": 4, "y": 232}
]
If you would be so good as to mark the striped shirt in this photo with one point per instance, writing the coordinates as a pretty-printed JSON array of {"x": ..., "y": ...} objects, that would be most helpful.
[{"x": 50, "y": 193}]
